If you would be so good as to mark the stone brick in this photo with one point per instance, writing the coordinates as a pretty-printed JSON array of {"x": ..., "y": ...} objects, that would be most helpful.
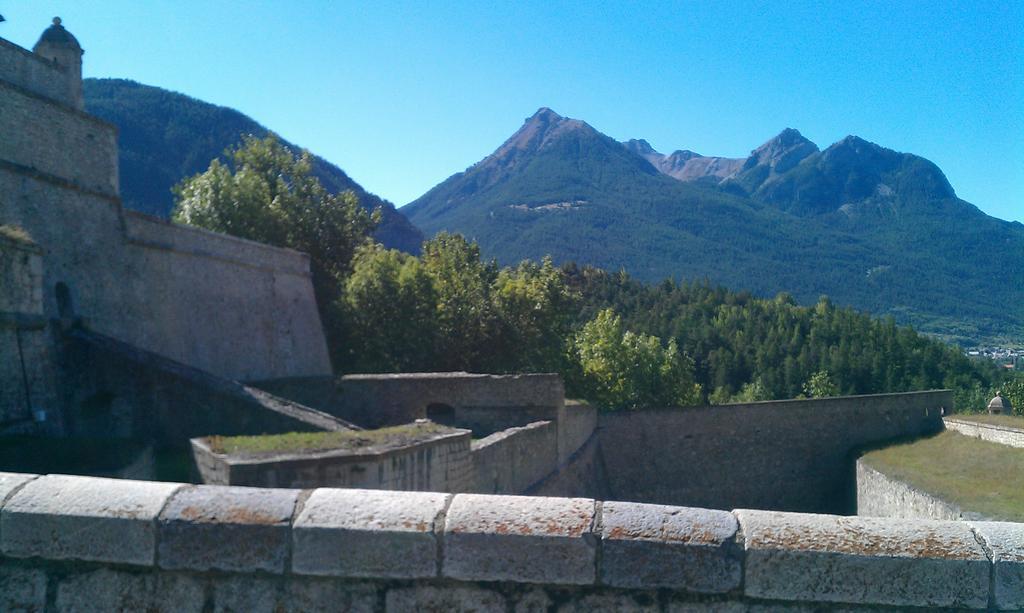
[
  {"x": 443, "y": 599},
  {"x": 611, "y": 602},
  {"x": 1006, "y": 543},
  {"x": 314, "y": 594},
  {"x": 521, "y": 539},
  {"x": 652, "y": 546},
  {"x": 367, "y": 533},
  {"x": 227, "y": 528},
  {"x": 22, "y": 589},
  {"x": 12, "y": 481},
  {"x": 84, "y": 518},
  {"x": 827, "y": 558},
  {"x": 115, "y": 590}
]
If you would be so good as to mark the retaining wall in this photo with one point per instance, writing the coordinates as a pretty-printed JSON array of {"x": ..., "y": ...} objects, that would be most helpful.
[
  {"x": 1013, "y": 437},
  {"x": 438, "y": 463},
  {"x": 794, "y": 455},
  {"x": 510, "y": 461},
  {"x": 879, "y": 495},
  {"x": 77, "y": 542}
]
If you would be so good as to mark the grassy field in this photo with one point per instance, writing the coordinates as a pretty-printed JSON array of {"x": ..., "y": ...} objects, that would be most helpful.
[
  {"x": 297, "y": 442},
  {"x": 1007, "y": 421},
  {"x": 975, "y": 475}
]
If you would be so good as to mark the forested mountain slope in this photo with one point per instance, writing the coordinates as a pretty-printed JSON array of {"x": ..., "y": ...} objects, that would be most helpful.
[
  {"x": 167, "y": 136},
  {"x": 872, "y": 228}
]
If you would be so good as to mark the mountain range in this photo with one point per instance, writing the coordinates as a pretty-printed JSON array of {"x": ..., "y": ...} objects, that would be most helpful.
[
  {"x": 873, "y": 228},
  {"x": 166, "y": 136}
]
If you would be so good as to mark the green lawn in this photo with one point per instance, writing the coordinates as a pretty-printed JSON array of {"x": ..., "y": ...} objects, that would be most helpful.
[
  {"x": 1007, "y": 421},
  {"x": 298, "y": 442},
  {"x": 977, "y": 476}
]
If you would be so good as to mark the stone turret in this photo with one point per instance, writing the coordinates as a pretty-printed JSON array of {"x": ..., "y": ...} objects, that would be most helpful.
[
  {"x": 60, "y": 47},
  {"x": 999, "y": 405}
]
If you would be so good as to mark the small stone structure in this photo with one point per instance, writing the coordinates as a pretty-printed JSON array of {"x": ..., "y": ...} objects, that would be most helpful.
[
  {"x": 411, "y": 458},
  {"x": 481, "y": 402},
  {"x": 68, "y": 543},
  {"x": 999, "y": 405}
]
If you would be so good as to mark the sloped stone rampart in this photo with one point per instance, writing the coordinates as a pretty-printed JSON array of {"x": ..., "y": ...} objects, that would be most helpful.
[
  {"x": 1012, "y": 437},
  {"x": 879, "y": 495},
  {"x": 292, "y": 550}
]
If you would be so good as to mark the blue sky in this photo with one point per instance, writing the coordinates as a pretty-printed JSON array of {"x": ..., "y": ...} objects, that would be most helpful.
[{"x": 402, "y": 95}]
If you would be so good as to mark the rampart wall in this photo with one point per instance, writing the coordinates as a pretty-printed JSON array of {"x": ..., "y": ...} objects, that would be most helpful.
[
  {"x": 880, "y": 495},
  {"x": 27, "y": 70},
  {"x": 1012, "y": 437},
  {"x": 794, "y": 455},
  {"x": 68, "y": 543},
  {"x": 228, "y": 306}
]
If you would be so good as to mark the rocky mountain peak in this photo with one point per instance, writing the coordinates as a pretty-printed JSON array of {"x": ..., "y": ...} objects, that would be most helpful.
[{"x": 782, "y": 152}]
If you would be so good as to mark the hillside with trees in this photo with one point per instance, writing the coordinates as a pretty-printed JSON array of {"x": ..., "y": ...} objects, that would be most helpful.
[{"x": 617, "y": 341}]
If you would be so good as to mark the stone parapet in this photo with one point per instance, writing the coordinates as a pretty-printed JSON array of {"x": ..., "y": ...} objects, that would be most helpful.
[
  {"x": 1012, "y": 437},
  {"x": 74, "y": 541}
]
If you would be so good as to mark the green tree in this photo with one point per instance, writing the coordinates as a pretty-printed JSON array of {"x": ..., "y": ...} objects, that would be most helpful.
[
  {"x": 535, "y": 306},
  {"x": 619, "y": 369},
  {"x": 265, "y": 192},
  {"x": 390, "y": 311},
  {"x": 820, "y": 385}
]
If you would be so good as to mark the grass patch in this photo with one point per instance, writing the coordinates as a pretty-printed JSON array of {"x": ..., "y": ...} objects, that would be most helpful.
[
  {"x": 298, "y": 442},
  {"x": 977, "y": 476},
  {"x": 1007, "y": 421}
]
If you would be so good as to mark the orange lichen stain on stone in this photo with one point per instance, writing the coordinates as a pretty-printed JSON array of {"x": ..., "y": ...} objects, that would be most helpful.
[{"x": 242, "y": 515}]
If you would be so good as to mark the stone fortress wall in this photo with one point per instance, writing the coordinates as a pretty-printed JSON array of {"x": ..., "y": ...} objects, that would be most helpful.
[
  {"x": 234, "y": 308},
  {"x": 68, "y": 543},
  {"x": 794, "y": 455}
]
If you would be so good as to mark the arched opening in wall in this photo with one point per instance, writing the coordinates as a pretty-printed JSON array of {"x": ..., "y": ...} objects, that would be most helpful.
[
  {"x": 65, "y": 308},
  {"x": 441, "y": 413}
]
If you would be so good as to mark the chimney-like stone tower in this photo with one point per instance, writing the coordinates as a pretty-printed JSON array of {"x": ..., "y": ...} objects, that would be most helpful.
[{"x": 60, "y": 47}]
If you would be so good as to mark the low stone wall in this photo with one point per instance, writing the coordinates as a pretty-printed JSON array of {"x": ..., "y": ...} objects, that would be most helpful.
[
  {"x": 793, "y": 455},
  {"x": 69, "y": 543},
  {"x": 34, "y": 73},
  {"x": 439, "y": 463},
  {"x": 1013, "y": 437},
  {"x": 879, "y": 495},
  {"x": 510, "y": 461}
]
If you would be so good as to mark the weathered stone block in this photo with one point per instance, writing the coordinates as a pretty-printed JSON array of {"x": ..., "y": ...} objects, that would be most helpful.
[
  {"x": 115, "y": 590},
  {"x": 22, "y": 589},
  {"x": 12, "y": 481},
  {"x": 652, "y": 546},
  {"x": 520, "y": 538},
  {"x": 448, "y": 598},
  {"x": 227, "y": 528},
  {"x": 827, "y": 558},
  {"x": 367, "y": 533},
  {"x": 1006, "y": 542},
  {"x": 84, "y": 518}
]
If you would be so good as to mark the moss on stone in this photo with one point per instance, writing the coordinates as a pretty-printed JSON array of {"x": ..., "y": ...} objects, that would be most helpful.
[
  {"x": 303, "y": 442},
  {"x": 15, "y": 234},
  {"x": 975, "y": 475}
]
